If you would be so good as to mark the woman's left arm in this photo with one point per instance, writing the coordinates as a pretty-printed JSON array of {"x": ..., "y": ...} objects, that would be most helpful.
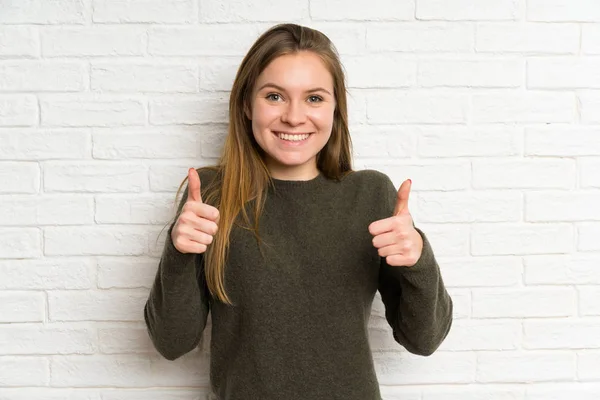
[{"x": 417, "y": 305}]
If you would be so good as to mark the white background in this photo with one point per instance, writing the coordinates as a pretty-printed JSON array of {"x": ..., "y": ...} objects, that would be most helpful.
[{"x": 491, "y": 107}]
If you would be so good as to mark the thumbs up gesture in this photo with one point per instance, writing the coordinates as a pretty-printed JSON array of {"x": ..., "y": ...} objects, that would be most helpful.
[
  {"x": 197, "y": 224},
  {"x": 395, "y": 237}
]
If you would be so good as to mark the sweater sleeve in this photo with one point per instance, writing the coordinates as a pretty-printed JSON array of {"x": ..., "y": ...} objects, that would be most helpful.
[
  {"x": 417, "y": 305},
  {"x": 177, "y": 307}
]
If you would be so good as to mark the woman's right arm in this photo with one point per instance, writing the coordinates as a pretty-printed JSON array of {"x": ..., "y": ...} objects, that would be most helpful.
[{"x": 178, "y": 305}]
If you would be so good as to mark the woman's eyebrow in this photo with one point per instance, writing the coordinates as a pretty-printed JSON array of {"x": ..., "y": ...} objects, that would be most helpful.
[{"x": 317, "y": 89}]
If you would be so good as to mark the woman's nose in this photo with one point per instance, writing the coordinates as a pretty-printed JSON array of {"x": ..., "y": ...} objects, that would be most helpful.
[{"x": 294, "y": 114}]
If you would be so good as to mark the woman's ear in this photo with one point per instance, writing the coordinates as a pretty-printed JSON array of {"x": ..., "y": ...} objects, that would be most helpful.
[{"x": 248, "y": 111}]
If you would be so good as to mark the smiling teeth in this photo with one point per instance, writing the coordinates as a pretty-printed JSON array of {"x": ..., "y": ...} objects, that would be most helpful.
[{"x": 293, "y": 138}]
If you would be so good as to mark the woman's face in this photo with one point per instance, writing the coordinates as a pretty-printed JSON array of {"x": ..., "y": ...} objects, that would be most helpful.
[{"x": 292, "y": 114}]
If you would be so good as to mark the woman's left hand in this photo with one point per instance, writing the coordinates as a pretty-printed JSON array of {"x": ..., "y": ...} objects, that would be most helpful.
[{"x": 396, "y": 237}]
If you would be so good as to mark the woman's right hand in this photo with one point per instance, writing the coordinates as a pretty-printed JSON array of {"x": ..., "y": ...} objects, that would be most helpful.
[{"x": 198, "y": 222}]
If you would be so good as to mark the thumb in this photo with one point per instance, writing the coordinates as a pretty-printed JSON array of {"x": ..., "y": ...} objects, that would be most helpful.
[
  {"x": 194, "y": 186},
  {"x": 402, "y": 199}
]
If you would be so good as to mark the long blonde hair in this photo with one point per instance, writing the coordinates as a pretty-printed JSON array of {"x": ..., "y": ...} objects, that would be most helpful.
[{"x": 242, "y": 175}]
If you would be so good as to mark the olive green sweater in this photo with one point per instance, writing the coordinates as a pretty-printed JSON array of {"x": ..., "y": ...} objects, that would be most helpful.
[{"x": 297, "y": 328}]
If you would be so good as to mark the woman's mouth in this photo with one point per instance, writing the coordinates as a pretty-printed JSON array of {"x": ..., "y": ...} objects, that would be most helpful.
[{"x": 300, "y": 137}]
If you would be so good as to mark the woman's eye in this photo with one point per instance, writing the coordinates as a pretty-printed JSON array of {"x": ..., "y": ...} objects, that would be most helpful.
[
  {"x": 315, "y": 99},
  {"x": 273, "y": 97}
]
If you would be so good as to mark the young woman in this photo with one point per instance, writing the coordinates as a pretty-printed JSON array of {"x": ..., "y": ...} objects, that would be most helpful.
[{"x": 286, "y": 246}]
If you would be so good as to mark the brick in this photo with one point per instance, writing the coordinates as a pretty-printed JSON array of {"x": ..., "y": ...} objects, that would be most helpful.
[
  {"x": 259, "y": 11},
  {"x": 381, "y": 337},
  {"x": 562, "y": 206},
  {"x": 531, "y": 38},
  {"x": 590, "y": 39},
  {"x": 491, "y": 271},
  {"x": 589, "y": 301},
  {"x": 563, "y": 142},
  {"x": 392, "y": 71},
  {"x": 40, "y": 76},
  {"x": 185, "y": 110},
  {"x": 191, "y": 370},
  {"x": 100, "y": 371},
  {"x": 563, "y": 10},
  {"x": 48, "y": 394},
  {"x": 526, "y": 174},
  {"x": 563, "y": 73},
  {"x": 438, "y": 176},
  {"x": 91, "y": 110},
  {"x": 20, "y": 243},
  {"x": 126, "y": 339},
  {"x": 212, "y": 141},
  {"x": 218, "y": 73},
  {"x": 400, "y": 393},
  {"x": 523, "y": 303},
  {"x": 45, "y": 210},
  {"x": 47, "y": 274},
  {"x": 589, "y": 104},
  {"x": 562, "y": 270},
  {"x": 347, "y": 37},
  {"x": 95, "y": 240},
  {"x": 527, "y": 107},
  {"x": 441, "y": 367},
  {"x": 18, "y": 41},
  {"x": 22, "y": 307},
  {"x": 447, "y": 240},
  {"x": 140, "y": 11},
  {"x": 156, "y": 239},
  {"x": 24, "y": 371},
  {"x": 156, "y": 394},
  {"x": 564, "y": 391},
  {"x": 521, "y": 239},
  {"x": 143, "y": 143},
  {"x": 28, "y": 144},
  {"x": 137, "y": 209},
  {"x": 421, "y": 37},
  {"x": 167, "y": 178},
  {"x": 105, "y": 305},
  {"x": 43, "y": 12},
  {"x": 588, "y": 235},
  {"x": 357, "y": 106},
  {"x": 473, "y": 335},
  {"x": 461, "y": 302},
  {"x": 162, "y": 78},
  {"x": 210, "y": 40},
  {"x": 474, "y": 392},
  {"x": 493, "y": 73},
  {"x": 127, "y": 371},
  {"x": 525, "y": 367},
  {"x": 561, "y": 334},
  {"x": 467, "y": 10},
  {"x": 587, "y": 369},
  {"x": 462, "y": 141},
  {"x": 440, "y": 207},
  {"x": 18, "y": 110},
  {"x": 94, "y": 177},
  {"x": 19, "y": 177},
  {"x": 414, "y": 107},
  {"x": 46, "y": 339},
  {"x": 383, "y": 142},
  {"x": 93, "y": 41},
  {"x": 589, "y": 173},
  {"x": 378, "y": 10}
]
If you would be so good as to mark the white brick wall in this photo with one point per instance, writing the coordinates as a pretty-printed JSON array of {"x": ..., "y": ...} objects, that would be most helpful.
[{"x": 491, "y": 107}]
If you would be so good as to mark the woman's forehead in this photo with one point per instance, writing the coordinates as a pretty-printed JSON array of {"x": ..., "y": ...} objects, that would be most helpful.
[{"x": 301, "y": 71}]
